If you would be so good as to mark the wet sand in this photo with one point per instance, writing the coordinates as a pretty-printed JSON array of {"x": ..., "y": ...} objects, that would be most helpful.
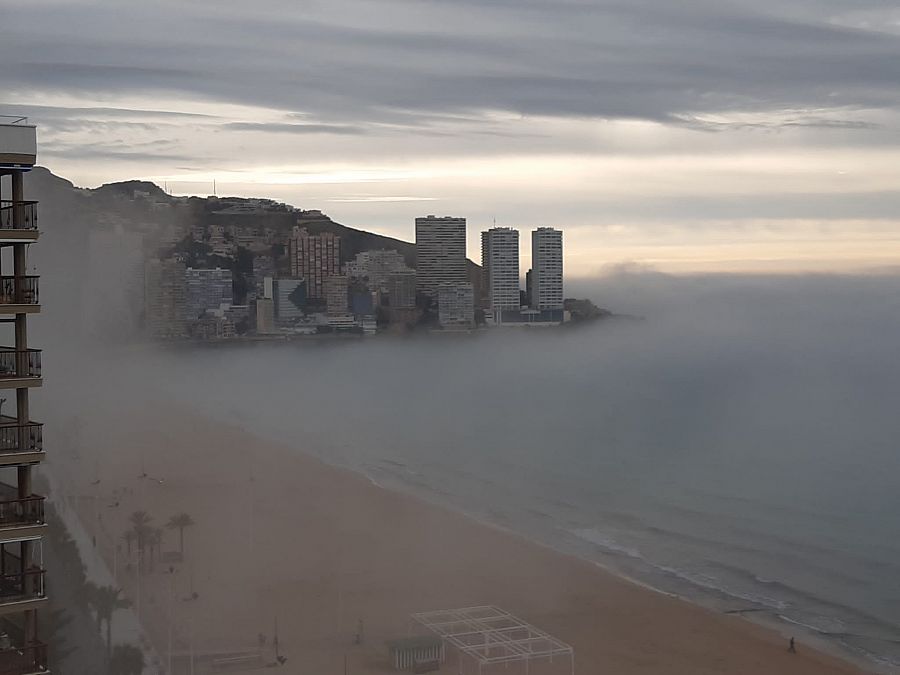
[{"x": 281, "y": 538}]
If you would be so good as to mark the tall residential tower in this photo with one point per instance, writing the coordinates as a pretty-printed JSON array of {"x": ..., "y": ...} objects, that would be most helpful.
[
  {"x": 546, "y": 288},
  {"x": 440, "y": 253},
  {"x": 314, "y": 257},
  {"x": 500, "y": 262},
  {"x": 21, "y": 445}
]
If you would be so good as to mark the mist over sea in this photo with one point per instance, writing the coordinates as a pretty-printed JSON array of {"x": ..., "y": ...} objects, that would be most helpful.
[{"x": 738, "y": 445}]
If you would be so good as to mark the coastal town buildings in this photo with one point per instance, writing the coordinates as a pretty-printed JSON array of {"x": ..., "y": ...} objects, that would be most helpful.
[
  {"x": 206, "y": 290},
  {"x": 376, "y": 267},
  {"x": 440, "y": 253},
  {"x": 276, "y": 284},
  {"x": 213, "y": 325},
  {"x": 456, "y": 305},
  {"x": 546, "y": 290},
  {"x": 22, "y": 524},
  {"x": 500, "y": 263},
  {"x": 314, "y": 258}
]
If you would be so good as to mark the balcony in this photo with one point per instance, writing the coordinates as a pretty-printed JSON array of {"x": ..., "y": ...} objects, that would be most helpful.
[
  {"x": 19, "y": 368},
  {"x": 29, "y": 660},
  {"x": 20, "y": 443},
  {"x": 19, "y": 588},
  {"x": 18, "y": 222},
  {"x": 18, "y": 144},
  {"x": 19, "y": 295},
  {"x": 20, "y": 518}
]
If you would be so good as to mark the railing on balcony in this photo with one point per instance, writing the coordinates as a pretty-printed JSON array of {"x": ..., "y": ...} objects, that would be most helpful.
[
  {"x": 19, "y": 290},
  {"x": 23, "y": 660},
  {"x": 19, "y": 362},
  {"x": 27, "y": 511},
  {"x": 16, "y": 583},
  {"x": 15, "y": 437},
  {"x": 26, "y": 220}
]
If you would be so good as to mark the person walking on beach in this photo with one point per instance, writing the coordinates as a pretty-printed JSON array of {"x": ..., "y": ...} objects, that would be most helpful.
[{"x": 791, "y": 648}]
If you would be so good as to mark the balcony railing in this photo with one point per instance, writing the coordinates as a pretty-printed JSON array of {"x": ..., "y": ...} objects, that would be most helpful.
[
  {"x": 19, "y": 290},
  {"x": 27, "y": 219},
  {"x": 13, "y": 511},
  {"x": 15, "y": 437},
  {"x": 16, "y": 583},
  {"x": 23, "y": 660},
  {"x": 19, "y": 362}
]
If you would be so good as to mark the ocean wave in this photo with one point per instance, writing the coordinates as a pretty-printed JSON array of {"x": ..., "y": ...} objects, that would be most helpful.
[{"x": 606, "y": 542}]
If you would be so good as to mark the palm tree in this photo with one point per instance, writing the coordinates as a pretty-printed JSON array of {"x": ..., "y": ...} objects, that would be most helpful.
[
  {"x": 126, "y": 660},
  {"x": 105, "y": 600},
  {"x": 140, "y": 521},
  {"x": 129, "y": 540},
  {"x": 154, "y": 538},
  {"x": 178, "y": 522}
]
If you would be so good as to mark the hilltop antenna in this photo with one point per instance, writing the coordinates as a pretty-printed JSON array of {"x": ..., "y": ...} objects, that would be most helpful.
[{"x": 215, "y": 194}]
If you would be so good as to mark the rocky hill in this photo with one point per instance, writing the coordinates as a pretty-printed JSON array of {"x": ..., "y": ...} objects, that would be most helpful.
[{"x": 143, "y": 207}]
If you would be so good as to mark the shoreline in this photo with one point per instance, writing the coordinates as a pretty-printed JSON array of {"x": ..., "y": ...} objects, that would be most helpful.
[
  {"x": 767, "y": 618},
  {"x": 341, "y": 506}
]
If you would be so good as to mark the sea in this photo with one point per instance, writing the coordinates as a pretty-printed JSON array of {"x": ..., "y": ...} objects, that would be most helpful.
[{"x": 731, "y": 440}]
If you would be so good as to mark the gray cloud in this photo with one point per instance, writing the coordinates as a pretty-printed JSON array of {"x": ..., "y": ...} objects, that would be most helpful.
[
  {"x": 646, "y": 59},
  {"x": 287, "y": 128}
]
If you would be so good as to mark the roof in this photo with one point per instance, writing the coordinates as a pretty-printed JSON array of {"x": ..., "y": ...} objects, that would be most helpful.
[
  {"x": 415, "y": 642},
  {"x": 489, "y": 634}
]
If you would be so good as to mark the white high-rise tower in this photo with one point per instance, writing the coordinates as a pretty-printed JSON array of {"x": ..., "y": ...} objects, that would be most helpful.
[
  {"x": 546, "y": 269},
  {"x": 500, "y": 261}
]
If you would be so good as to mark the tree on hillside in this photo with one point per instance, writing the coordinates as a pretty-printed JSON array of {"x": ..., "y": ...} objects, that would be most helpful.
[
  {"x": 105, "y": 600},
  {"x": 126, "y": 660},
  {"x": 179, "y": 522}
]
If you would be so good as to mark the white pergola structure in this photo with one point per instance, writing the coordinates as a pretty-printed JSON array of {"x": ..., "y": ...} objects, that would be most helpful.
[{"x": 489, "y": 635}]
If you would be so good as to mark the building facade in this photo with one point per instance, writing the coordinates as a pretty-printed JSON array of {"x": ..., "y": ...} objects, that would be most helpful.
[
  {"x": 22, "y": 523},
  {"x": 165, "y": 299},
  {"x": 314, "y": 258},
  {"x": 263, "y": 268},
  {"x": 290, "y": 300},
  {"x": 500, "y": 262},
  {"x": 440, "y": 253},
  {"x": 456, "y": 305},
  {"x": 546, "y": 288},
  {"x": 376, "y": 267},
  {"x": 265, "y": 316},
  {"x": 336, "y": 294},
  {"x": 402, "y": 290},
  {"x": 206, "y": 290}
]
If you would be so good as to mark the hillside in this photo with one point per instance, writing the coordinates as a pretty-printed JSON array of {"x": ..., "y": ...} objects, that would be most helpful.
[{"x": 143, "y": 207}]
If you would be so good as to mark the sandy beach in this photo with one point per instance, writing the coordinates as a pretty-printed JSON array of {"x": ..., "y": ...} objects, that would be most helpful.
[{"x": 283, "y": 539}]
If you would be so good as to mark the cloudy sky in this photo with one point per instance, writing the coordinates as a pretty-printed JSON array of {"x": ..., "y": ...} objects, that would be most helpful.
[{"x": 691, "y": 135}]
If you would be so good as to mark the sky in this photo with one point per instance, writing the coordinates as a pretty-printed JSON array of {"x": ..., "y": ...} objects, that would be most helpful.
[{"x": 703, "y": 135}]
